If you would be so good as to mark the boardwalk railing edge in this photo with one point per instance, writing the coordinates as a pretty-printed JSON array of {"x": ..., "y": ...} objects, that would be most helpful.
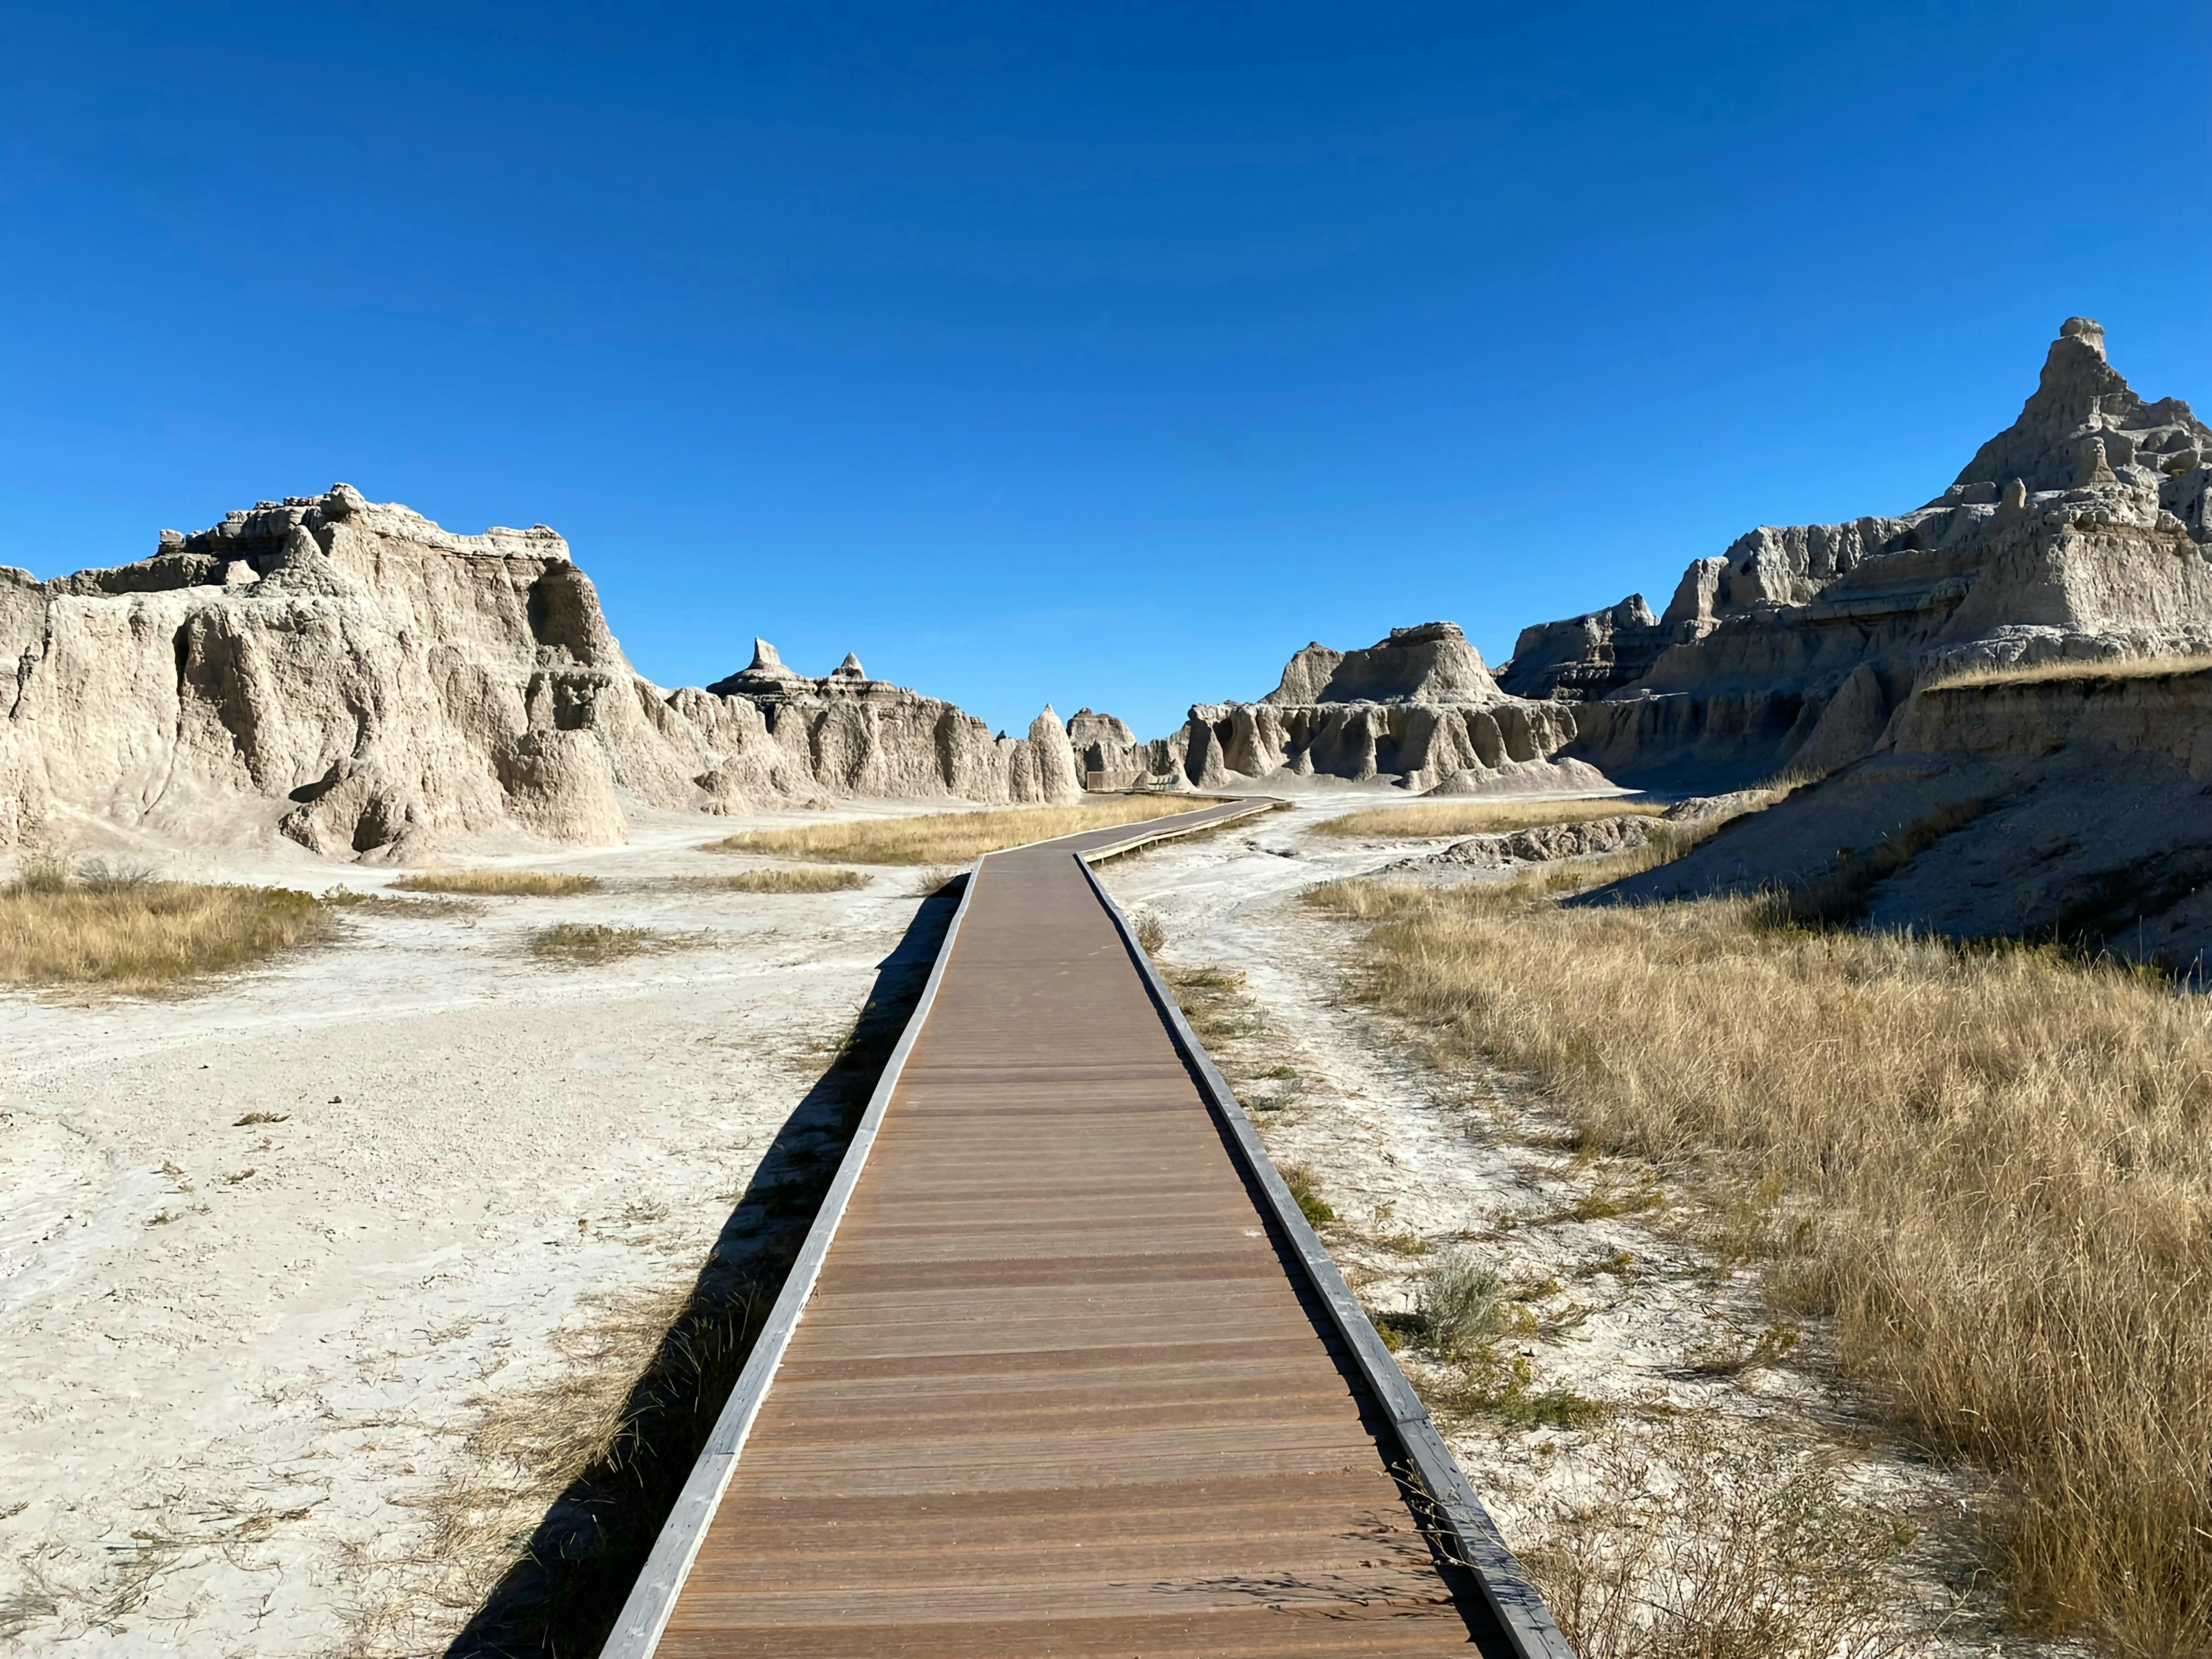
[
  {"x": 1520, "y": 1612},
  {"x": 652, "y": 1600}
]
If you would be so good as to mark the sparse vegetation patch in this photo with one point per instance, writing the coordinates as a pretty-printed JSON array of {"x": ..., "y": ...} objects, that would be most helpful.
[
  {"x": 582, "y": 945},
  {"x": 1431, "y": 819},
  {"x": 804, "y": 878},
  {"x": 951, "y": 838},
  {"x": 499, "y": 884},
  {"x": 1700, "y": 1540},
  {"x": 131, "y": 932},
  {"x": 383, "y": 904}
]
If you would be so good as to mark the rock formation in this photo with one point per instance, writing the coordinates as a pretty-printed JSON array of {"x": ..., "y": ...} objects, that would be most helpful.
[
  {"x": 1418, "y": 709},
  {"x": 2079, "y": 532},
  {"x": 2067, "y": 806},
  {"x": 1544, "y": 843},
  {"x": 354, "y": 677}
]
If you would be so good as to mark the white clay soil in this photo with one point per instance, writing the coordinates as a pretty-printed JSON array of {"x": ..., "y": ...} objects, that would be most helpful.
[{"x": 242, "y": 1355}]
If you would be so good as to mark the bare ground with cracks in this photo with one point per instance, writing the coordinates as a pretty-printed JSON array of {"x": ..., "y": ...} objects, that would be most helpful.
[{"x": 1667, "y": 1449}]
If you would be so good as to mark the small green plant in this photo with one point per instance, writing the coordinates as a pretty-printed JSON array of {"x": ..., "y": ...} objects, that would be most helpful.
[
  {"x": 42, "y": 873},
  {"x": 1506, "y": 1389},
  {"x": 253, "y": 1118},
  {"x": 1317, "y": 1210},
  {"x": 1604, "y": 1203},
  {"x": 1462, "y": 1304}
]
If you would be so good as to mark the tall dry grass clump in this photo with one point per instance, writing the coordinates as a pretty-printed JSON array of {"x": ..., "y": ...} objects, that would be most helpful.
[
  {"x": 499, "y": 884},
  {"x": 1430, "y": 818},
  {"x": 126, "y": 931},
  {"x": 1995, "y": 1164},
  {"x": 951, "y": 838}
]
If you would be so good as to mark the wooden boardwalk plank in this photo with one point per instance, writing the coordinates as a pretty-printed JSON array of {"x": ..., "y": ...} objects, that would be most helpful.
[{"x": 1060, "y": 1387}]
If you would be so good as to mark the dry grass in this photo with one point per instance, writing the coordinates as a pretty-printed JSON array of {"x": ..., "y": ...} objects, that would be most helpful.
[
  {"x": 1703, "y": 1540},
  {"x": 498, "y": 883},
  {"x": 1992, "y": 1167},
  {"x": 807, "y": 879},
  {"x": 584, "y": 944},
  {"x": 2100, "y": 668},
  {"x": 950, "y": 837},
  {"x": 564, "y": 1472},
  {"x": 383, "y": 904},
  {"x": 124, "y": 931},
  {"x": 1432, "y": 818}
]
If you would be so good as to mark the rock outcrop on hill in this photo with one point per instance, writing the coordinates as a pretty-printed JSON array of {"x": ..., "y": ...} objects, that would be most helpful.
[
  {"x": 2066, "y": 805},
  {"x": 1544, "y": 843},
  {"x": 2079, "y": 532},
  {"x": 355, "y": 679},
  {"x": 1418, "y": 709}
]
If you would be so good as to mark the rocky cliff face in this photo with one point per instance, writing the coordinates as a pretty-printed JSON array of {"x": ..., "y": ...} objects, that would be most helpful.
[
  {"x": 353, "y": 677},
  {"x": 2080, "y": 530},
  {"x": 1418, "y": 709},
  {"x": 2069, "y": 807}
]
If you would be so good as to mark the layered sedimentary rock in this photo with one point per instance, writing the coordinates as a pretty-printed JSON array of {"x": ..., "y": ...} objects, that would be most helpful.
[
  {"x": 2069, "y": 807},
  {"x": 1543, "y": 844},
  {"x": 1418, "y": 709},
  {"x": 354, "y": 677},
  {"x": 2081, "y": 530}
]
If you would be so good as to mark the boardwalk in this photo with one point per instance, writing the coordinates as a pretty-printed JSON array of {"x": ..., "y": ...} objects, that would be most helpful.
[{"x": 1064, "y": 1385}]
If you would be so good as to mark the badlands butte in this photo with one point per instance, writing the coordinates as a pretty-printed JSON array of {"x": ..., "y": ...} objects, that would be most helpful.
[{"x": 1997, "y": 694}]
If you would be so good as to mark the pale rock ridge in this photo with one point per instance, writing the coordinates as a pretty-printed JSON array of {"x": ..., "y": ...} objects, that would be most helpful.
[
  {"x": 2080, "y": 530},
  {"x": 353, "y": 677},
  {"x": 1105, "y": 751},
  {"x": 1416, "y": 709}
]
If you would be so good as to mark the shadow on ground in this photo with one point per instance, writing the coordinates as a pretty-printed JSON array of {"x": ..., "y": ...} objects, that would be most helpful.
[{"x": 561, "y": 1600}]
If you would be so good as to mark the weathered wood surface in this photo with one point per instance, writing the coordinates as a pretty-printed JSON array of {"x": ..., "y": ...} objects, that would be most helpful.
[{"x": 1062, "y": 1387}]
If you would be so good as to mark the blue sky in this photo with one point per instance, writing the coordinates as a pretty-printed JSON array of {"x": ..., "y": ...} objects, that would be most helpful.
[{"x": 1104, "y": 355}]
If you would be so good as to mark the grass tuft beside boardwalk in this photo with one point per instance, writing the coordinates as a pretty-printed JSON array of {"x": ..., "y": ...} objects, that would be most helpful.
[
  {"x": 1991, "y": 1166},
  {"x": 498, "y": 883},
  {"x": 1425, "y": 819},
  {"x": 133, "y": 933},
  {"x": 951, "y": 838}
]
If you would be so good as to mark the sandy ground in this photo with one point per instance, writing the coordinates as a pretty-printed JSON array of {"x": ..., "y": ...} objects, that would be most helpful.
[
  {"x": 238, "y": 1355},
  {"x": 1635, "y": 1311}
]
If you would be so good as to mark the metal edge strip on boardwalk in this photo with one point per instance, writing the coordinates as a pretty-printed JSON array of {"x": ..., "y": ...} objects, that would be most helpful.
[
  {"x": 652, "y": 1600},
  {"x": 1520, "y": 1612}
]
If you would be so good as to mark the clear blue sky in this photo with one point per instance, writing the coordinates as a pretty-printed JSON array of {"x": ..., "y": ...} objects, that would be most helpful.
[{"x": 1101, "y": 354}]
